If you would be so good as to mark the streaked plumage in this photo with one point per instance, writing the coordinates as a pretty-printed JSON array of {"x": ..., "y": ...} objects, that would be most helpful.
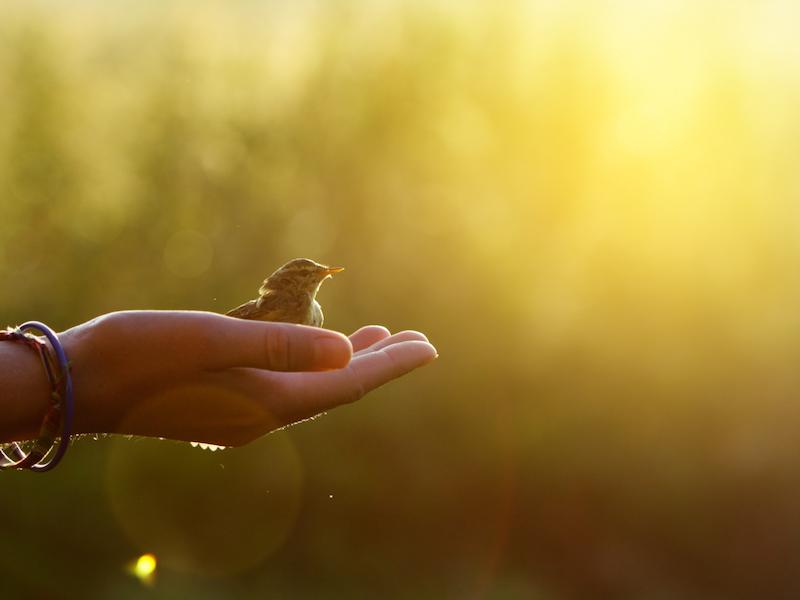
[{"x": 289, "y": 294}]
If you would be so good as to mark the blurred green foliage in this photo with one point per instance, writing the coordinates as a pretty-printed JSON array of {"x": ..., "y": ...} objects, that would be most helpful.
[{"x": 592, "y": 212}]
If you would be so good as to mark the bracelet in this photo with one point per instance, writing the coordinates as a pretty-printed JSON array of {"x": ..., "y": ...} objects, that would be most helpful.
[{"x": 57, "y": 422}]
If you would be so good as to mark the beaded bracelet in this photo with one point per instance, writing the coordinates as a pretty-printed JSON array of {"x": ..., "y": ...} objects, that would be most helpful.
[{"x": 45, "y": 452}]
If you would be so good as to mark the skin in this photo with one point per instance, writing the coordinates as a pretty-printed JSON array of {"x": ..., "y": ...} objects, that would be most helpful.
[{"x": 198, "y": 376}]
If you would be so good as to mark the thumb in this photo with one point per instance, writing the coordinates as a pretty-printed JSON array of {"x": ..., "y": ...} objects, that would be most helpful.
[{"x": 280, "y": 347}]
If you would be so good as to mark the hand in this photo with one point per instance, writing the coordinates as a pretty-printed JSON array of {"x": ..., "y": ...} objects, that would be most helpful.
[{"x": 205, "y": 377}]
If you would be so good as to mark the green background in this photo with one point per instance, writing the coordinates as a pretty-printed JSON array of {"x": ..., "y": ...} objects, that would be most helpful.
[{"x": 590, "y": 209}]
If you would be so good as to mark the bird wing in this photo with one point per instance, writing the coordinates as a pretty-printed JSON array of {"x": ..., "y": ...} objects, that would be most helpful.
[
  {"x": 248, "y": 310},
  {"x": 270, "y": 307}
]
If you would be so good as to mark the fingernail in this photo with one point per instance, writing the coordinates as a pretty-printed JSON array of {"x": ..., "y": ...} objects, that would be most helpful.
[{"x": 331, "y": 352}]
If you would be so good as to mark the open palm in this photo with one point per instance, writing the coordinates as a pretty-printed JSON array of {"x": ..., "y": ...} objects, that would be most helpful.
[{"x": 200, "y": 376}]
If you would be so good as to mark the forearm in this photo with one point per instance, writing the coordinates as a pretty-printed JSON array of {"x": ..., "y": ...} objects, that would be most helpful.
[{"x": 24, "y": 392}]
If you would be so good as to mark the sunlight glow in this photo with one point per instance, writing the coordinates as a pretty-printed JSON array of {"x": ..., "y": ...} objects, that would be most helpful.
[
  {"x": 144, "y": 568},
  {"x": 593, "y": 209}
]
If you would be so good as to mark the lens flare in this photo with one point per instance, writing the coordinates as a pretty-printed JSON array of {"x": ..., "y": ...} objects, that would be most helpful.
[{"x": 144, "y": 568}]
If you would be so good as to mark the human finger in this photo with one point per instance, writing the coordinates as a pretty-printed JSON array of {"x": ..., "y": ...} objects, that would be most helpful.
[
  {"x": 368, "y": 335},
  {"x": 315, "y": 392},
  {"x": 402, "y": 336},
  {"x": 278, "y": 347},
  {"x": 191, "y": 340}
]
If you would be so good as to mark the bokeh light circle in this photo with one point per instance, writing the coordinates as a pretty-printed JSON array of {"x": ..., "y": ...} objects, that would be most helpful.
[{"x": 202, "y": 512}]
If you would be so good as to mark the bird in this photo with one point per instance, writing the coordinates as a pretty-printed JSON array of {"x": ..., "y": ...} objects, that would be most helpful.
[{"x": 289, "y": 295}]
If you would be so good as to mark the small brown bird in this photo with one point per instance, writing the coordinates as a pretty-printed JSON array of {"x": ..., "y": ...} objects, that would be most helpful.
[{"x": 289, "y": 294}]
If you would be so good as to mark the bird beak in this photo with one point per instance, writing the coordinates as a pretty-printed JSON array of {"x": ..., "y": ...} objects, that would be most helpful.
[{"x": 332, "y": 270}]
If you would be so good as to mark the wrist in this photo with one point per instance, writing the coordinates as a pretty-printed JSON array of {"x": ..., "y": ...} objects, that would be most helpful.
[
  {"x": 81, "y": 345},
  {"x": 25, "y": 392}
]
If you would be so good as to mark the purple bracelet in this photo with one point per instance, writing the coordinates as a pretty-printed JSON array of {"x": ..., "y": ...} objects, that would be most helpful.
[{"x": 41, "y": 457}]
